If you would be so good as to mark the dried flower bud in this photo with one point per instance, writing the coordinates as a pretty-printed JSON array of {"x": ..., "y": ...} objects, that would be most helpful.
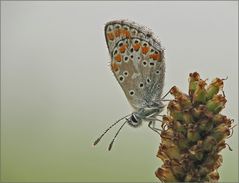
[
  {"x": 214, "y": 87},
  {"x": 216, "y": 104},
  {"x": 181, "y": 98},
  {"x": 175, "y": 110},
  {"x": 200, "y": 94},
  {"x": 220, "y": 132},
  {"x": 209, "y": 143},
  {"x": 205, "y": 125},
  {"x": 193, "y": 135},
  {"x": 193, "y": 81},
  {"x": 198, "y": 111},
  {"x": 165, "y": 175},
  {"x": 214, "y": 176}
]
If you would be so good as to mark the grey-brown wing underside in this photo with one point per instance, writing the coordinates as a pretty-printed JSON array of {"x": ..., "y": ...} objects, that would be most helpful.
[{"x": 137, "y": 61}]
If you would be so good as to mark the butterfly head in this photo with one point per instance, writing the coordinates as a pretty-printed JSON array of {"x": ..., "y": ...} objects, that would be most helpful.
[{"x": 134, "y": 120}]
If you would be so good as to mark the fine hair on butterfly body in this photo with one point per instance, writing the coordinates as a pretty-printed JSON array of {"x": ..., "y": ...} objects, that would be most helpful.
[{"x": 137, "y": 62}]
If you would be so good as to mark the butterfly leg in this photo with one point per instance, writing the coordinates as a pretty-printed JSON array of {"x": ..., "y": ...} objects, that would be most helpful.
[
  {"x": 223, "y": 93},
  {"x": 154, "y": 122},
  {"x": 162, "y": 99},
  {"x": 151, "y": 125},
  {"x": 155, "y": 119}
]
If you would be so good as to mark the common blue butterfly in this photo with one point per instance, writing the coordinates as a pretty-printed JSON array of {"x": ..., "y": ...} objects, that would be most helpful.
[{"x": 138, "y": 64}]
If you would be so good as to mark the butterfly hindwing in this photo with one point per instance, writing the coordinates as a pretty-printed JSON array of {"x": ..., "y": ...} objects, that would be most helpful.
[{"x": 136, "y": 61}]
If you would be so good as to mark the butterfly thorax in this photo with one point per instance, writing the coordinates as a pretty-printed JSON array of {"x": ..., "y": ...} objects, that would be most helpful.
[{"x": 148, "y": 113}]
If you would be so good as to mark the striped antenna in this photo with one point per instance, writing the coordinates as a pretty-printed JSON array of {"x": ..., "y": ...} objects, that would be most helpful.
[
  {"x": 112, "y": 142},
  {"x": 98, "y": 140}
]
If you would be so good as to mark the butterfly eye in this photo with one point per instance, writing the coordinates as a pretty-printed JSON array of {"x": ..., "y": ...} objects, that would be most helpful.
[
  {"x": 131, "y": 92},
  {"x": 121, "y": 78},
  {"x": 134, "y": 120}
]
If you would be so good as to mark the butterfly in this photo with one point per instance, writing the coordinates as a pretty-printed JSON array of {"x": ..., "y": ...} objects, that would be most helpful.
[{"x": 138, "y": 64}]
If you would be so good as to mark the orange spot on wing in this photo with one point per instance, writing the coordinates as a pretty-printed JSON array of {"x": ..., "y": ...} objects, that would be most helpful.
[
  {"x": 125, "y": 33},
  {"x": 145, "y": 50},
  {"x": 114, "y": 67},
  {"x": 122, "y": 48},
  {"x": 117, "y": 32},
  {"x": 156, "y": 56},
  {"x": 110, "y": 36},
  {"x": 118, "y": 58},
  {"x": 136, "y": 46}
]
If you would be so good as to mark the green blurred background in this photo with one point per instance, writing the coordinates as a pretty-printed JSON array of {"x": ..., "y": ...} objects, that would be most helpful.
[{"x": 58, "y": 93}]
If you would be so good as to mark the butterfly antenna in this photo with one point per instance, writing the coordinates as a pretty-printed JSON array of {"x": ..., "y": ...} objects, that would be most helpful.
[
  {"x": 98, "y": 140},
  {"x": 112, "y": 142}
]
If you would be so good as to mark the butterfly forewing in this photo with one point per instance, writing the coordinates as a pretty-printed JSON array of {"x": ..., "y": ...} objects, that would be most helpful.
[{"x": 136, "y": 61}]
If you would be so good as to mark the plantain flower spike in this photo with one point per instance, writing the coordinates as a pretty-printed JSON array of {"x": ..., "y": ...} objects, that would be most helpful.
[{"x": 194, "y": 132}]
